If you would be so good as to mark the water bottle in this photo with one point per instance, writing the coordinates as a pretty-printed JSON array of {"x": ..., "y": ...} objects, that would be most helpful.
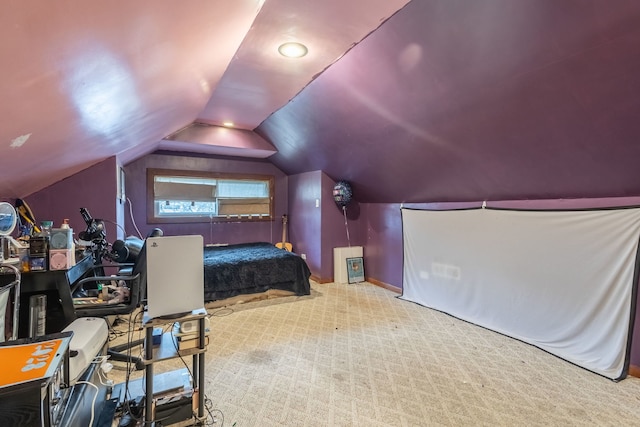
[
  {"x": 45, "y": 227},
  {"x": 37, "y": 315}
]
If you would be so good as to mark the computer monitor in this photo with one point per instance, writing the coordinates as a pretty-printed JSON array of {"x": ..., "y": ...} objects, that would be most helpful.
[{"x": 175, "y": 275}]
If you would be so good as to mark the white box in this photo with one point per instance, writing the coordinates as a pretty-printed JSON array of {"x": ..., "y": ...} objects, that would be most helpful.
[
  {"x": 90, "y": 335},
  {"x": 61, "y": 238},
  {"x": 340, "y": 256},
  {"x": 61, "y": 259}
]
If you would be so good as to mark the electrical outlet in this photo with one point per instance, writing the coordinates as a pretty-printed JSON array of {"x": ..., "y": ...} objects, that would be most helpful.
[{"x": 303, "y": 256}]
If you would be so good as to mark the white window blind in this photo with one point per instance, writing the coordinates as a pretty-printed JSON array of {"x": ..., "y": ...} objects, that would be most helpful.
[{"x": 184, "y": 191}]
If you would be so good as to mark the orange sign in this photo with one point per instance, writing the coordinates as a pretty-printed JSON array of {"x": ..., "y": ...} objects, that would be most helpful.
[{"x": 26, "y": 362}]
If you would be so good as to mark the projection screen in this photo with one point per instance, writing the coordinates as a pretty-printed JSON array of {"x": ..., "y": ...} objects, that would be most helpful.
[{"x": 563, "y": 281}]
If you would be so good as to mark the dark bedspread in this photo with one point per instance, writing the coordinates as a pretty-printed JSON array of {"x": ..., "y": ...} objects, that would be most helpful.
[{"x": 252, "y": 268}]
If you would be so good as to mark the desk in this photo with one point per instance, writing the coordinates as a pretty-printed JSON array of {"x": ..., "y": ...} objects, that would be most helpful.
[{"x": 56, "y": 285}]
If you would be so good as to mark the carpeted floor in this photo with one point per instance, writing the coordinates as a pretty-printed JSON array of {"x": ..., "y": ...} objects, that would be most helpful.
[{"x": 355, "y": 355}]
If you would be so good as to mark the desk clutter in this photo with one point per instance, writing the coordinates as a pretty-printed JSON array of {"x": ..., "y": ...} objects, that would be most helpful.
[
  {"x": 51, "y": 249},
  {"x": 31, "y": 388},
  {"x": 55, "y": 380},
  {"x": 63, "y": 379},
  {"x": 60, "y": 379},
  {"x": 48, "y": 248},
  {"x": 186, "y": 334},
  {"x": 115, "y": 292},
  {"x": 178, "y": 393}
]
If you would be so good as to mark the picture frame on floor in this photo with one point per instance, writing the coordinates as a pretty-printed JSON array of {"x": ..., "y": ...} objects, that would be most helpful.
[{"x": 355, "y": 270}]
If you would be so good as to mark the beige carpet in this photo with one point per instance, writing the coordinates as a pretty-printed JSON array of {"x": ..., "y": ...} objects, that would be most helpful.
[{"x": 356, "y": 355}]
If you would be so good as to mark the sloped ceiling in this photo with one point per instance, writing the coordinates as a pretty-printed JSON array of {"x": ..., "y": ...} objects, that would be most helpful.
[
  {"x": 428, "y": 100},
  {"x": 483, "y": 100},
  {"x": 82, "y": 82}
]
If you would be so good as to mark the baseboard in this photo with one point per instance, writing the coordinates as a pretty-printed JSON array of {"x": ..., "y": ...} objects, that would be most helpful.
[
  {"x": 384, "y": 285},
  {"x": 634, "y": 371},
  {"x": 320, "y": 280},
  {"x": 369, "y": 279}
]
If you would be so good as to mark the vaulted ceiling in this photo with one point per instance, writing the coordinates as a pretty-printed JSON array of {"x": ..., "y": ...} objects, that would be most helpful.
[{"x": 427, "y": 100}]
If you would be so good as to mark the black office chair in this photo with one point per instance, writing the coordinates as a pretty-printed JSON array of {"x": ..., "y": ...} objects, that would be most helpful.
[
  {"x": 132, "y": 271},
  {"x": 134, "y": 277}
]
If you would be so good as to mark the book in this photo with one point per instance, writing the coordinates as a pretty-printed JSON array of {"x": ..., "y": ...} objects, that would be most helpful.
[{"x": 186, "y": 344}]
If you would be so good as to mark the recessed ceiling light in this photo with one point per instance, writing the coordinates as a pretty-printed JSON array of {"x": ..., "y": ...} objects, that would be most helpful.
[
  {"x": 293, "y": 50},
  {"x": 227, "y": 124}
]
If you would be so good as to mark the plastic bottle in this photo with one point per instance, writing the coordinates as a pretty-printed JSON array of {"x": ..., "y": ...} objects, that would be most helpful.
[
  {"x": 65, "y": 225},
  {"x": 45, "y": 227},
  {"x": 37, "y": 315},
  {"x": 24, "y": 259}
]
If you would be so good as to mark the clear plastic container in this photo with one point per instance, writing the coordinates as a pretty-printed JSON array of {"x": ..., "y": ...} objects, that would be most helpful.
[{"x": 45, "y": 227}]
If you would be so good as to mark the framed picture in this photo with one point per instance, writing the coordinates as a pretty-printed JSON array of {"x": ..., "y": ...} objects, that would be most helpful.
[{"x": 355, "y": 270}]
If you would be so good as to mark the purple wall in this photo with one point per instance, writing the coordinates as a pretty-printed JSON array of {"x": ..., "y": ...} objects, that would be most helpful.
[
  {"x": 382, "y": 224},
  {"x": 93, "y": 188},
  {"x": 472, "y": 100},
  {"x": 334, "y": 230},
  {"x": 238, "y": 232},
  {"x": 314, "y": 231},
  {"x": 305, "y": 219},
  {"x": 317, "y": 224}
]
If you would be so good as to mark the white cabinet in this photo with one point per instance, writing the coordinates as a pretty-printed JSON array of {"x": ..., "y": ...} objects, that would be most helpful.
[{"x": 340, "y": 256}]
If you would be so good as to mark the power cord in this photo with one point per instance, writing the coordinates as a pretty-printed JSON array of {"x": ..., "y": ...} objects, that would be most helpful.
[
  {"x": 132, "y": 409},
  {"x": 222, "y": 312},
  {"x": 114, "y": 333},
  {"x": 104, "y": 368},
  {"x": 207, "y": 402},
  {"x": 210, "y": 411},
  {"x": 133, "y": 221},
  {"x": 93, "y": 402},
  {"x": 117, "y": 225}
]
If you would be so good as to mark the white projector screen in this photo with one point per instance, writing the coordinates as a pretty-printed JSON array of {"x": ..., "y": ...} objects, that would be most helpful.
[{"x": 563, "y": 281}]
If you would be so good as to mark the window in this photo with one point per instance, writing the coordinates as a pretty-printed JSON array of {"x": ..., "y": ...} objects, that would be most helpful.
[{"x": 187, "y": 196}]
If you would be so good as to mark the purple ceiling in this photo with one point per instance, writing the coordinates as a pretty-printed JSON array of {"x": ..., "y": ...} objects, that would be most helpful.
[
  {"x": 427, "y": 100},
  {"x": 259, "y": 80},
  {"x": 82, "y": 84},
  {"x": 492, "y": 99}
]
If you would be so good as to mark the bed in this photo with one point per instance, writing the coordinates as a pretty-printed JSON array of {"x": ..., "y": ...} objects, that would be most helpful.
[{"x": 252, "y": 268}]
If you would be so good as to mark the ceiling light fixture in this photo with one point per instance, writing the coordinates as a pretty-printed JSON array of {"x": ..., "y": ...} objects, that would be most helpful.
[
  {"x": 227, "y": 124},
  {"x": 293, "y": 50}
]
